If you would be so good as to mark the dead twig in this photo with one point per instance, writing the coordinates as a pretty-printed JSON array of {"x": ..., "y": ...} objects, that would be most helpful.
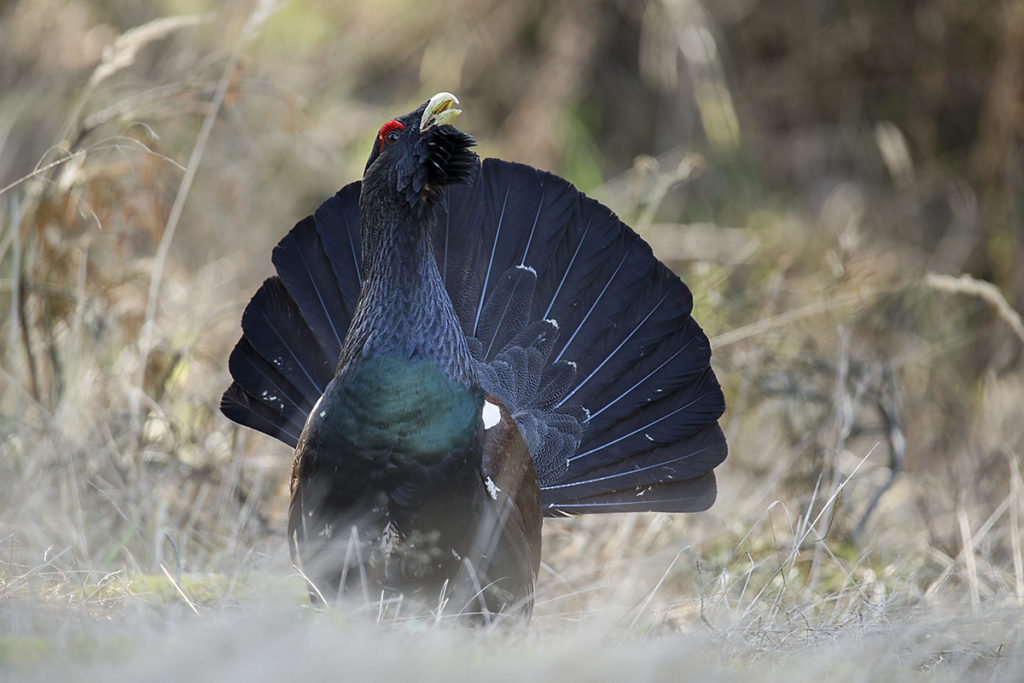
[
  {"x": 181, "y": 591},
  {"x": 965, "y": 284}
]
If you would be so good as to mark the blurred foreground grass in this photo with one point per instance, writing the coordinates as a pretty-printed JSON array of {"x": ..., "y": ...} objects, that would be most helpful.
[{"x": 869, "y": 516}]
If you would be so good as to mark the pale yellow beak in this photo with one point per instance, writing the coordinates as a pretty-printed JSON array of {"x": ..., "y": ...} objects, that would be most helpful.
[{"x": 439, "y": 111}]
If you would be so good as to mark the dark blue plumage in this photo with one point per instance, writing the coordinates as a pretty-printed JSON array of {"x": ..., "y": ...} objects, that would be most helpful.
[
  {"x": 636, "y": 367},
  {"x": 642, "y": 365},
  {"x": 563, "y": 316}
]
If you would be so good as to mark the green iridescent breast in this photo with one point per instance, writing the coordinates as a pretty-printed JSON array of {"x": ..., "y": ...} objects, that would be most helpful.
[{"x": 397, "y": 410}]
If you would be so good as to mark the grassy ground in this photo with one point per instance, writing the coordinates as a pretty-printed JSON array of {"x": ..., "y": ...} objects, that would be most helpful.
[{"x": 869, "y": 516}]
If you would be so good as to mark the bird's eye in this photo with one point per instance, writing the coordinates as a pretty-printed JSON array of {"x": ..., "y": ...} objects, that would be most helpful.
[{"x": 389, "y": 133}]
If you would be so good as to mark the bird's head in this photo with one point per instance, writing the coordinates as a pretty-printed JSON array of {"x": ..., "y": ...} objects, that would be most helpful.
[{"x": 416, "y": 155}]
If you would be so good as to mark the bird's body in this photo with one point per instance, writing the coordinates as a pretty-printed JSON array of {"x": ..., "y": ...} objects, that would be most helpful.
[
  {"x": 395, "y": 447},
  {"x": 504, "y": 346}
]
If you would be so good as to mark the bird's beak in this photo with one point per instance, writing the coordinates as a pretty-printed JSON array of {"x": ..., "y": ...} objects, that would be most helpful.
[{"x": 439, "y": 111}]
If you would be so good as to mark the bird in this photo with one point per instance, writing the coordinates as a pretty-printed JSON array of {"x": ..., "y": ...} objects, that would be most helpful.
[{"x": 456, "y": 349}]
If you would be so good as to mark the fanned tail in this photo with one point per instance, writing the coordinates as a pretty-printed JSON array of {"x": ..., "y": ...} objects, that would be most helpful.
[
  {"x": 622, "y": 414},
  {"x": 580, "y": 331}
]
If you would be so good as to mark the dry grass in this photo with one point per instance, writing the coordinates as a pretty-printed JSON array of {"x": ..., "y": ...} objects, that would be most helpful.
[{"x": 869, "y": 517}]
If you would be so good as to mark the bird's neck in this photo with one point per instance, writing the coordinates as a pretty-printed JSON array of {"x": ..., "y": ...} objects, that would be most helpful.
[
  {"x": 405, "y": 399},
  {"x": 403, "y": 309}
]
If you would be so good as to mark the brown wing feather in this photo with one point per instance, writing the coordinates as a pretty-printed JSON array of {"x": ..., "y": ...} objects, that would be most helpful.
[{"x": 506, "y": 461}]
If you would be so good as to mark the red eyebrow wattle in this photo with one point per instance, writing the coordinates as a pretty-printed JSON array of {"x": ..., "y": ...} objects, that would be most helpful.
[{"x": 387, "y": 128}]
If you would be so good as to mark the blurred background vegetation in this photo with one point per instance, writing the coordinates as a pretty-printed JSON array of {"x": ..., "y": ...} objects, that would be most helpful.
[{"x": 839, "y": 183}]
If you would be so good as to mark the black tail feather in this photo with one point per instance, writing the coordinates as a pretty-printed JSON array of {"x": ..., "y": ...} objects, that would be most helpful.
[
  {"x": 278, "y": 366},
  {"x": 507, "y": 310},
  {"x": 274, "y": 325},
  {"x": 337, "y": 226},
  {"x": 660, "y": 423},
  {"x": 689, "y": 495},
  {"x": 686, "y": 355},
  {"x": 319, "y": 264},
  {"x": 500, "y": 221},
  {"x": 308, "y": 277},
  {"x": 294, "y": 326},
  {"x": 261, "y": 380},
  {"x": 640, "y": 364},
  {"x": 682, "y": 460},
  {"x": 238, "y": 405}
]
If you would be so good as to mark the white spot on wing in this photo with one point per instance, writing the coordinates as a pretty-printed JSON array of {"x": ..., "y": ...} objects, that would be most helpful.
[
  {"x": 552, "y": 321},
  {"x": 314, "y": 411},
  {"x": 491, "y": 414},
  {"x": 492, "y": 488},
  {"x": 525, "y": 267}
]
